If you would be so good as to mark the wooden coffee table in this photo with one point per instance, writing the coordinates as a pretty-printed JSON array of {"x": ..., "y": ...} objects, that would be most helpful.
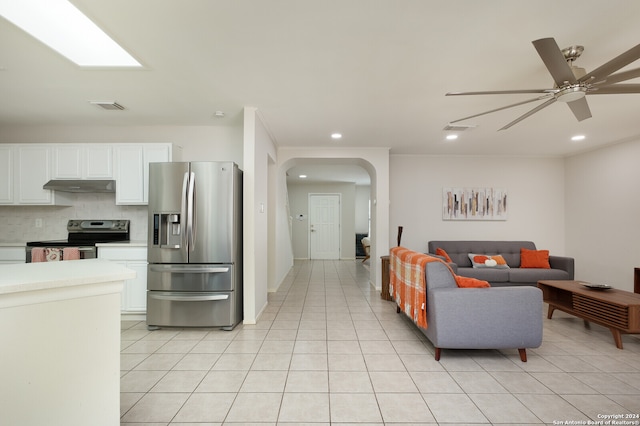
[{"x": 618, "y": 310}]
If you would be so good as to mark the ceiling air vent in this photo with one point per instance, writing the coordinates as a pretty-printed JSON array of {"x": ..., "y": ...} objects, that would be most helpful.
[
  {"x": 108, "y": 105},
  {"x": 459, "y": 127}
]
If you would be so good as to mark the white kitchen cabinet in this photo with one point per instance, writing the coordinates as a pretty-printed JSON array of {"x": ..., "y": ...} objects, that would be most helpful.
[
  {"x": 12, "y": 254},
  {"x": 6, "y": 175},
  {"x": 33, "y": 169},
  {"x": 129, "y": 174},
  {"x": 134, "y": 293},
  {"x": 135, "y": 296},
  {"x": 83, "y": 161},
  {"x": 132, "y": 170},
  {"x": 26, "y": 168},
  {"x": 156, "y": 153}
]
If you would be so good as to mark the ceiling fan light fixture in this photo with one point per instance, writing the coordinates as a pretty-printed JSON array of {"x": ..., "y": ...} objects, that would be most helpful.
[{"x": 571, "y": 93}]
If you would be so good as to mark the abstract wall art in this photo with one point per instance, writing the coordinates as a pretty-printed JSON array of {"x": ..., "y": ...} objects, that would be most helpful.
[{"x": 474, "y": 203}]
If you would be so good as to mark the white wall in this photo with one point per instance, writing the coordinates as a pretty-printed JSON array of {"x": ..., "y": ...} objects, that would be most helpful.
[
  {"x": 363, "y": 194},
  {"x": 259, "y": 153},
  {"x": 299, "y": 204},
  {"x": 535, "y": 199},
  {"x": 602, "y": 214}
]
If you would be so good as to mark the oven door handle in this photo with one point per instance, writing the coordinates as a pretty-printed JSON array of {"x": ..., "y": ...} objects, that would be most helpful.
[
  {"x": 186, "y": 297},
  {"x": 188, "y": 269},
  {"x": 84, "y": 248}
]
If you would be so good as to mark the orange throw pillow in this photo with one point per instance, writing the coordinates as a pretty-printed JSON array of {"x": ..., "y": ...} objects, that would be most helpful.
[
  {"x": 467, "y": 282},
  {"x": 534, "y": 258},
  {"x": 441, "y": 252}
]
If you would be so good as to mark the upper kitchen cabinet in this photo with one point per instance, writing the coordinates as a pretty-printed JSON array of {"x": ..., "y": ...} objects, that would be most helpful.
[
  {"x": 26, "y": 168},
  {"x": 132, "y": 170},
  {"x": 6, "y": 174},
  {"x": 83, "y": 161}
]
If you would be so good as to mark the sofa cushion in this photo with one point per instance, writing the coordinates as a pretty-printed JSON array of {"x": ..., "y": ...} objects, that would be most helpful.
[
  {"x": 533, "y": 275},
  {"x": 480, "y": 261},
  {"x": 488, "y": 274},
  {"x": 534, "y": 258}
]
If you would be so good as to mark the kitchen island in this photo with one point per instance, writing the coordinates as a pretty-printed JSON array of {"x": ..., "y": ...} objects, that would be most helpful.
[{"x": 60, "y": 336}]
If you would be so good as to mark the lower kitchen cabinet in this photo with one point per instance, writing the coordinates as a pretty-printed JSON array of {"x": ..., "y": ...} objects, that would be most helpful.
[
  {"x": 134, "y": 293},
  {"x": 11, "y": 254}
]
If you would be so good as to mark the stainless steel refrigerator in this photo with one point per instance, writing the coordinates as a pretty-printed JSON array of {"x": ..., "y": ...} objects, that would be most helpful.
[{"x": 195, "y": 245}]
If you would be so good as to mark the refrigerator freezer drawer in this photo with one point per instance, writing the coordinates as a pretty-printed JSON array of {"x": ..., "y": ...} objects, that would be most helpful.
[
  {"x": 187, "y": 277},
  {"x": 193, "y": 309}
]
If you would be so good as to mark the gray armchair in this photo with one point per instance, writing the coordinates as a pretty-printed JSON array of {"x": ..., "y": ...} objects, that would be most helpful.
[{"x": 480, "y": 318}]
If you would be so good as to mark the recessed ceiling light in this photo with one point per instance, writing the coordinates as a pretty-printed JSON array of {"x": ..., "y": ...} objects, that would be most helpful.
[
  {"x": 578, "y": 138},
  {"x": 219, "y": 114},
  {"x": 302, "y": 176},
  {"x": 452, "y": 137},
  {"x": 336, "y": 136},
  {"x": 62, "y": 27}
]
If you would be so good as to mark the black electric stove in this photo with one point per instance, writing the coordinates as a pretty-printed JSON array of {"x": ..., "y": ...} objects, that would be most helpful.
[{"x": 85, "y": 234}]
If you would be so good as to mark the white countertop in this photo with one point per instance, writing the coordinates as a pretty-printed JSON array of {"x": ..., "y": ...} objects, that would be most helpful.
[
  {"x": 13, "y": 244},
  {"x": 133, "y": 243},
  {"x": 30, "y": 277}
]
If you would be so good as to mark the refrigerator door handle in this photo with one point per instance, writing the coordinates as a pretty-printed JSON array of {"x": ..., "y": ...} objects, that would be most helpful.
[
  {"x": 186, "y": 297},
  {"x": 191, "y": 220},
  {"x": 183, "y": 209},
  {"x": 187, "y": 269}
]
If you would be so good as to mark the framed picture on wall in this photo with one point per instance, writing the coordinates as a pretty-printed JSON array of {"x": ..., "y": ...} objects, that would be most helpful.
[{"x": 474, "y": 203}]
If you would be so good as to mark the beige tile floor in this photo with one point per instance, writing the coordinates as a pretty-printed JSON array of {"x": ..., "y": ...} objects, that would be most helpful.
[{"x": 328, "y": 350}]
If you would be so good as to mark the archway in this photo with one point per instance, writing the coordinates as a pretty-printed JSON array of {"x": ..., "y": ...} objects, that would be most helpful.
[{"x": 375, "y": 161}]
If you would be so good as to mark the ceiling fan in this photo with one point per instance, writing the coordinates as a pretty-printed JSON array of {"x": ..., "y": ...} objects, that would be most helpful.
[{"x": 572, "y": 83}]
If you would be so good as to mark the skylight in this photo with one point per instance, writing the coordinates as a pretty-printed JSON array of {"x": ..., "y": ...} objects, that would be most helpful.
[{"x": 62, "y": 27}]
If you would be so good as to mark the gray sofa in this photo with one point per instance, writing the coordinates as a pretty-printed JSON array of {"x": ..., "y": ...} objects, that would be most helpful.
[
  {"x": 562, "y": 268},
  {"x": 480, "y": 318}
]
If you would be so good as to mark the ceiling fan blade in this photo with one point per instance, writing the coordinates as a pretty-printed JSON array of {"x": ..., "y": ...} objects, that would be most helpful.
[
  {"x": 621, "y": 76},
  {"x": 554, "y": 60},
  {"x": 528, "y": 114},
  {"x": 603, "y": 71},
  {"x": 580, "y": 109},
  {"x": 615, "y": 89},
  {"x": 500, "y": 109},
  {"x": 502, "y": 92}
]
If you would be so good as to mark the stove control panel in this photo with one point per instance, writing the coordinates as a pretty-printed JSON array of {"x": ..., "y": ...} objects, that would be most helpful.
[{"x": 81, "y": 225}]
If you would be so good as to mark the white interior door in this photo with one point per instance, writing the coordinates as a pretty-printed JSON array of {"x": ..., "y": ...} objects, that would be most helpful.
[{"x": 324, "y": 226}]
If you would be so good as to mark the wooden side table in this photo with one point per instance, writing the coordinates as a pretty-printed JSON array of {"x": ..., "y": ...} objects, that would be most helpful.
[{"x": 384, "y": 294}]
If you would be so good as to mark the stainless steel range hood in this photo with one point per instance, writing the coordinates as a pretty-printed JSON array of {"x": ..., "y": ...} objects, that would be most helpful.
[{"x": 68, "y": 185}]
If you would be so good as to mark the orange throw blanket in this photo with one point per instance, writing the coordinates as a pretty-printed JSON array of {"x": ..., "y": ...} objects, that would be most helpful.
[{"x": 407, "y": 282}]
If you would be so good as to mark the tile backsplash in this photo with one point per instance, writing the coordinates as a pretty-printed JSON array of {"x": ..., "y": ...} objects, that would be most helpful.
[{"x": 18, "y": 223}]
